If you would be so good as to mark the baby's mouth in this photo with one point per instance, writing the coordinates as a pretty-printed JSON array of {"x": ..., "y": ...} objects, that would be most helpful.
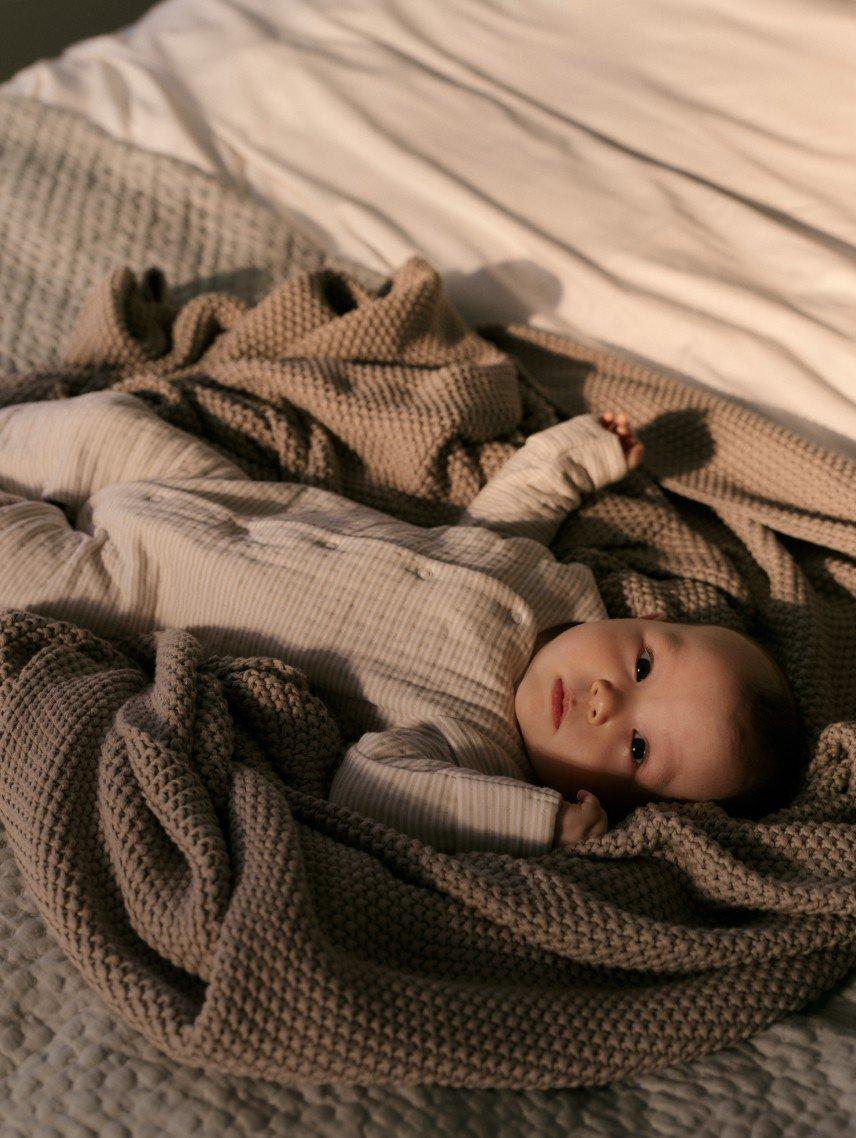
[{"x": 560, "y": 700}]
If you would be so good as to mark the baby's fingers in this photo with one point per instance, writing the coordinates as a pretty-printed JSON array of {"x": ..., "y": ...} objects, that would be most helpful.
[{"x": 596, "y": 823}]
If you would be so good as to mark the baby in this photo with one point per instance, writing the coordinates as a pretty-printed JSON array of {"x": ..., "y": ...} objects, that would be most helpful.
[
  {"x": 479, "y": 680},
  {"x": 623, "y": 712}
]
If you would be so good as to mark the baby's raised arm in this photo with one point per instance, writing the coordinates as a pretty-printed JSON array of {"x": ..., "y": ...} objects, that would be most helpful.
[{"x": 543, "y": 481}]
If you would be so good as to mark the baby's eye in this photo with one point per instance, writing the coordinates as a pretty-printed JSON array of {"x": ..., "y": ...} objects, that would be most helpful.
[
  {"x": 638, "y": 749},
  {"x": 649, "y": 662}
]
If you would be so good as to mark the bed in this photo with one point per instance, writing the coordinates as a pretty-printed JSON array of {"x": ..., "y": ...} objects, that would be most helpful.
[{"x": 651, "y": 179}]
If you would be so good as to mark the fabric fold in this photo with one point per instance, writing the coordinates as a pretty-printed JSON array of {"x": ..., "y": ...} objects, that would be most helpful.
[{"x": 303, "y": 386}]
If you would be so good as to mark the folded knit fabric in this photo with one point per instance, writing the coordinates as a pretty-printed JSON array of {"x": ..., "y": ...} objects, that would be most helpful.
[{"x": 167, "y": 811}]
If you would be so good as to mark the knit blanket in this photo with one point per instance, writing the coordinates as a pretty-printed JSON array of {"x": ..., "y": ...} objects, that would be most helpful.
[{"x": 167, "y": 810}]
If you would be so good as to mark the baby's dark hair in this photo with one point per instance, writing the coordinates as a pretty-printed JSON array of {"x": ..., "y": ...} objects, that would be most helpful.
[{"x": 769, "y": 740}]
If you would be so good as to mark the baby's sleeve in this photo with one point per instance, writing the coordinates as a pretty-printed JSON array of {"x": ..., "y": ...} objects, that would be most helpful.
[
  {"x": 64, "y": 450},
  {"x": 544, "y": 480},
  {"x": 407, "y": 778}
]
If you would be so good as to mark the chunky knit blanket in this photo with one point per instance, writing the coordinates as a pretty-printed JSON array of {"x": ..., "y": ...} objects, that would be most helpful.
[{"x": 167, "y": 810}]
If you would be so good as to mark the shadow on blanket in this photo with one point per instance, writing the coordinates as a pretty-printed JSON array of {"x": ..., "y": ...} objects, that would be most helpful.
[{"x": 167, "y": 810}]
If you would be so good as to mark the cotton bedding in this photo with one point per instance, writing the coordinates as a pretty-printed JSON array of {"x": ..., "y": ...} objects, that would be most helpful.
[
  {"x": 672, "y": 179},
  {"x": 52, "y": 1032}
]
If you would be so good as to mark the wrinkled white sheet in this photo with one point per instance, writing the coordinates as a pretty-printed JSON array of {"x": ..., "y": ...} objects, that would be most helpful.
[{"x": 670, "y": 178}]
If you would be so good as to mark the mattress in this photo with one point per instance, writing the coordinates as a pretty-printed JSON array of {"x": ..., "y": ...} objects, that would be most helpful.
[
  {"x": 671, "y": 179},
  {"x": 667, "y": 180}
]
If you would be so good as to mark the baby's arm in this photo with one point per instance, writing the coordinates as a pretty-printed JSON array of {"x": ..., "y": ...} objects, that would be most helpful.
[
  {"x": 64, "y": 450},
  {"x": 407, "y": 778},
  {"x": 544, "y": 480}
]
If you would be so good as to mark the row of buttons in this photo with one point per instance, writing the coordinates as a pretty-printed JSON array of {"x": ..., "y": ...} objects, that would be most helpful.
[{"x": 424, "y": 572}]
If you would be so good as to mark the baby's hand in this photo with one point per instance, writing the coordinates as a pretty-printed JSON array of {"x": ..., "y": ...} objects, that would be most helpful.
[
  {"x": 575, "y": 822},
  {"x": 620, "y": 425}
]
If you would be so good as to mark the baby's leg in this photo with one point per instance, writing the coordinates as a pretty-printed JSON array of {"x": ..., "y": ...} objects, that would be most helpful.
[
  {"x": 48, "y": 567},
  {"x": 65, "y": 450}
]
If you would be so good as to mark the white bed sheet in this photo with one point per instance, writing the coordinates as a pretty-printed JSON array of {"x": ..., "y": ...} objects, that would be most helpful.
[{"x": 673, "y": 179}]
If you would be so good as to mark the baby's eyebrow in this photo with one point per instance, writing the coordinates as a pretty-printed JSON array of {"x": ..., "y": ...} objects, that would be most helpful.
[{"x": 674, "y": 641}]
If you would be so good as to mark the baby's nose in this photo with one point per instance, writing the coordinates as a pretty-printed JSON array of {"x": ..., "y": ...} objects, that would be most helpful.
[{"x": 600, "y": 701}]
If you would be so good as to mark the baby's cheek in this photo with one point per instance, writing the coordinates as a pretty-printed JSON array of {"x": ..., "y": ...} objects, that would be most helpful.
[{"x": 521, "y": 693}]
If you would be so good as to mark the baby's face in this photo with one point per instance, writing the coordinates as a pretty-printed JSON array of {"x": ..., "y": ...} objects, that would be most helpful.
[{"x": 650, "y": 711}]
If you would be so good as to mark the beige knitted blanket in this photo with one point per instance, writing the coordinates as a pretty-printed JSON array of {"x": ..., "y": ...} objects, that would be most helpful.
[{"x": 166, "y": 810}]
